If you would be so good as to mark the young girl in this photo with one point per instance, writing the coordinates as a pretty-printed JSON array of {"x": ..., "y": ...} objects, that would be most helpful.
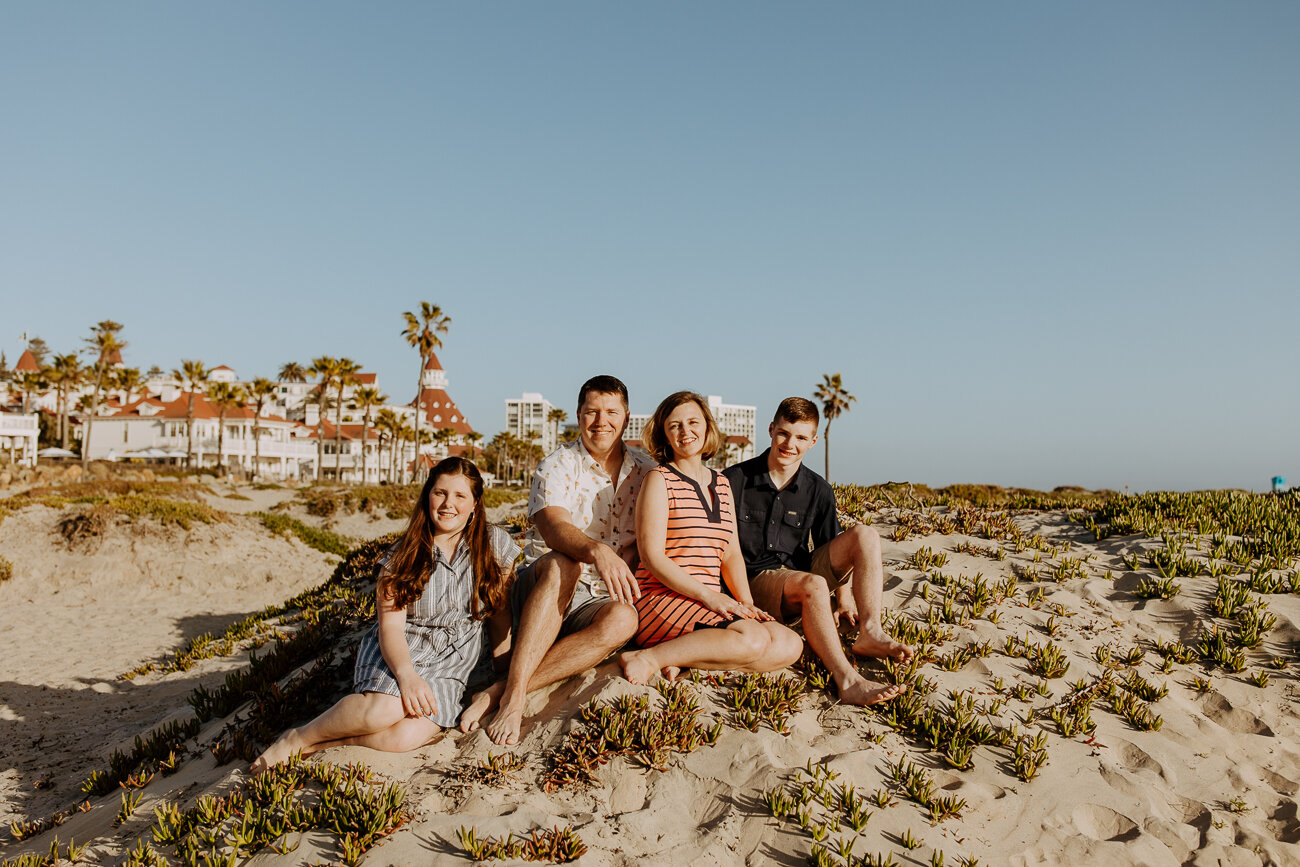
[
  {"x": 686, "y": 536},
  {"x": 449, "y": 572}
]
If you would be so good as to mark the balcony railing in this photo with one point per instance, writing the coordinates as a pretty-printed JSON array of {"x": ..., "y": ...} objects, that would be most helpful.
[{"x": 12, "y": 425}]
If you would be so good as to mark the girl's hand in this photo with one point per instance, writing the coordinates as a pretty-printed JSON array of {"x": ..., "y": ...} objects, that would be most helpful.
[{"x": 417, "y": 695}]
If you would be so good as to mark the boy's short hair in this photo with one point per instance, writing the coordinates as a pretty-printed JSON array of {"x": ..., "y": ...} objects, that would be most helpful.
[
  {"x": 603, "y": 384},
  {"x": 797, "y": 409},
  {"x": 655, "y": 441}
]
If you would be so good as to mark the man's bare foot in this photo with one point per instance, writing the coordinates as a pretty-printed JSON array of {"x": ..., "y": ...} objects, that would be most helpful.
[
  {"x": 878, "y": 643},
  {"x": 638, "y": 666},
  {"x": 481, "y": 704},
  {"x": 279, "y": 752},
  {"x": 856, "y": 689},
  {"x": 503, "y": 730}
]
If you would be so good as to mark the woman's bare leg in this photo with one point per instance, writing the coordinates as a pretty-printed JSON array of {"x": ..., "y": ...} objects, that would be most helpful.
[{"x": 736, "y": 648}]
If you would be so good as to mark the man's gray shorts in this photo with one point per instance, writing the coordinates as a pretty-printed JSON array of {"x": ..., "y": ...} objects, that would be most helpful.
[{"x": 582, "y": 610}]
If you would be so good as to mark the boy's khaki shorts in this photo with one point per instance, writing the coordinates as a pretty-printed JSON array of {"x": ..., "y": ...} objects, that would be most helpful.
[{"x": 768, "y": 585}]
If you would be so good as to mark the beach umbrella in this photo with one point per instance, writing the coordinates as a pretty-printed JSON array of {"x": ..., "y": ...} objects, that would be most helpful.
[{"x": 55, "y": 452}]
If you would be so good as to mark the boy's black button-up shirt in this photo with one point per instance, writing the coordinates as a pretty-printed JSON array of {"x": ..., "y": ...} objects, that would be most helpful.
[{"x": 780, "y": 529}]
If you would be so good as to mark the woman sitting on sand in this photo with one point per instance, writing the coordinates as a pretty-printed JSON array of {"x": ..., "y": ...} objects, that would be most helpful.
[
  {"x": 449, "y": 572},
  {"x": 686, "y": 538}
]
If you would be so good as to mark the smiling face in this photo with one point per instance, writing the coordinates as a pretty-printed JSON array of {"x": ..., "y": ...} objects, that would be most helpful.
[
  {"x": 790, "y": 439},
  {"x": 601, "y": 421},
  {"x": 685, "y": 430},
  {"x": 451, "y": 503}
]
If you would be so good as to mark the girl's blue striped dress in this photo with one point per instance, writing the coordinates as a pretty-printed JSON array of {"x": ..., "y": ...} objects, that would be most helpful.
[{"x": 444, "y": 639}]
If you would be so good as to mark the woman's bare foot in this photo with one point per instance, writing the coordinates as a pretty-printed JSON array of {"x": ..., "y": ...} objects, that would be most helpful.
[
  {"x": 878, "y": 643},
  {"x": 480, "y": 705},
  {"x": 279, "y": 752},
  {"x": 638, "y": 666},
  {"x": 857, "y": 690}
]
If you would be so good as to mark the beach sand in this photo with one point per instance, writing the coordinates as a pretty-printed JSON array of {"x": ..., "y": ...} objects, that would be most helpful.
[{"x": 1215, "y": 784}]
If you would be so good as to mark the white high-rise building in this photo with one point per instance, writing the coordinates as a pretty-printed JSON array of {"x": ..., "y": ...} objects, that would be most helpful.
[{"x": 531, "y": 412}]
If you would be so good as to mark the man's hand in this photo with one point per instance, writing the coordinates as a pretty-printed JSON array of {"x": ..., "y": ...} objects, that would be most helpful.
[{"x": 613, "y": 570}]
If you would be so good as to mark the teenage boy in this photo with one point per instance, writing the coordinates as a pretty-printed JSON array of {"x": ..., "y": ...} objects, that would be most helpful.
[
  {"x": 782, "y": 507},
  {"x": 579, "y": 587}
]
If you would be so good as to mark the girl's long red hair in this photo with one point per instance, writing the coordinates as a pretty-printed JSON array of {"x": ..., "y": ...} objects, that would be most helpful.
[{"x": 407, "y": 574}]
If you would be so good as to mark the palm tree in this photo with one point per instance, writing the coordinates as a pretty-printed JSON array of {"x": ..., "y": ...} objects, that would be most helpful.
[
  {"x": 192, "y": 376},
  {"x": 387, "y": 422},
  {"x": 127, "y": 380},
  {"x": 64, "y": 373},
  {"x": 346, "y": 375},
  {"x": 326, "y": 368},
  {"x": 226, "y": 396},
  {"x": 422, "y": 333},
  {"x": 30, "y": 382},
  {"x": 102, "y": 343},
  {"x": 260, "y": 390},
  {"x": 292, "y": 372},
  {"x": 835, "y": 401},
  {"x": 556, "y": 417},
  {"x": 471, "y": 440},
  {"x": 366, "y": 398}
]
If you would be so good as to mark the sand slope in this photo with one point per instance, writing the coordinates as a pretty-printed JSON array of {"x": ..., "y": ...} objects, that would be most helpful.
[{"x": 1216, "y": 784}]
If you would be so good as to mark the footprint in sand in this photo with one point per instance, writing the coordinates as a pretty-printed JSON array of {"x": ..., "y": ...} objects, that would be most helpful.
[
  {"x": 1221, "y": 711},
  {"x": 1103, "y": 823}
]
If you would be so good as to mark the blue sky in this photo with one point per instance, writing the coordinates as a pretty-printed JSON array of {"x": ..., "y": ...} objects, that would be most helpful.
[{"x": 1043, "y": 243}]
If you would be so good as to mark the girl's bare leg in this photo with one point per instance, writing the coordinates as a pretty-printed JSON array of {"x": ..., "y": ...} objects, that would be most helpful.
[
  {"x": 353, "y": 716},
  {"x": 410, "y": 733}
]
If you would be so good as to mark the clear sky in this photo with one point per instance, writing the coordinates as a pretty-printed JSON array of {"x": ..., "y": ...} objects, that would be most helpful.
[{"x": 1044, "y": 243}]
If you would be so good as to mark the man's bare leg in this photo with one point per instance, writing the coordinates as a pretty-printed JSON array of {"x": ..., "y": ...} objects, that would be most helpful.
[
  {"x": 859, "y": 548},
  {"x": 539, "y": 624},
  {"x": 611, "y": 628},
  {"x": 807, "y": 595}
]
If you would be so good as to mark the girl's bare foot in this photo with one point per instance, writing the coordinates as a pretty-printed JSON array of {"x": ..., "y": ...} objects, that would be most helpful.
[
  {"x": 480, "y": 705},
  {"x": 638, "y": 666},
  {"x": 671, "y": 673},
  {"x": 279, "y": 752}
]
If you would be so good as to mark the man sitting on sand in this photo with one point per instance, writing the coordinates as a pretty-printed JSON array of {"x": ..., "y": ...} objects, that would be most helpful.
[
  {"x": 780, "y": 506},
  {"x": 580, "y": 586}
]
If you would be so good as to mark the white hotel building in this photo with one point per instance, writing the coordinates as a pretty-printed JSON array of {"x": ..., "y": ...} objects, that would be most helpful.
[{"x": 529, "y": 413}]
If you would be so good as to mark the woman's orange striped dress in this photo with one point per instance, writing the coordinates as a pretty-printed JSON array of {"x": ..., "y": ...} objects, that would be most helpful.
[{"x": 700, "y": 526}]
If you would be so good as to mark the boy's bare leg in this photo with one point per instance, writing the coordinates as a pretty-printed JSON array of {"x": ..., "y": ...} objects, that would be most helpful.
[
  {"x": 611, "y": 628},
  {"x": 860, "y": 602},
  {"x": 807, "y": 595}
]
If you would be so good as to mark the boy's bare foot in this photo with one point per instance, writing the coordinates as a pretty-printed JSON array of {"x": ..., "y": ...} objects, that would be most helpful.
[
  {"x": 503, "y": 730},
  {"x": 638, "y": 666},
  {"x": 279, "y": 752},
  {"x": 857, "y": 690},
  {"x": 878, "y": 643},
  {"x": 480, "y": 705}
]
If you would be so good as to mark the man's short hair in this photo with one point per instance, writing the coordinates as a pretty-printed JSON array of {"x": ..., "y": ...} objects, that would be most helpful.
[
  {"x": 797, "y": 409},
  {"x": 603, "y": 384},
  {"x": 655, "y": 441}
]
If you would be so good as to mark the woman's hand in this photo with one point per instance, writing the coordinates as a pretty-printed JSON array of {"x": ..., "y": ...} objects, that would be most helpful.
[
  {"x": 721, "y": 603},
  {"x": 417, "y": 695}
]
